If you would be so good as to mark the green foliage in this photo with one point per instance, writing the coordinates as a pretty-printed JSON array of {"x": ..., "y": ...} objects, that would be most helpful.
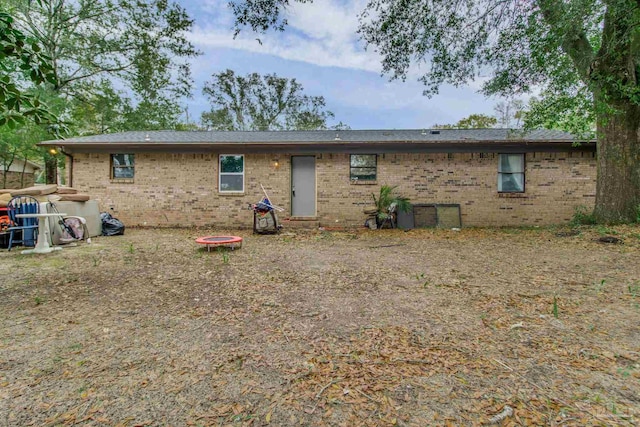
[
  {"x": 260, "y": 15},
  {"x": 22, "y": 62},
  {"x": 148, "y": 55},
  {"x": 474, "y": 121},
  {"x": 568, "y": 110},
  {"x": 477, "y": 121},
  {"x": 555, "y": 307},
  {"x": 62, "y": 59},
  {"x": 387, "y": 197},
  {"x": 19, "y": 145},
  {"x": 604, "y": 230},
  {"x": 102, "y": 110},
  {"x": 225, "y": 254},
  {"x": 255, "y": 102},
  {"x": 582, "y": 216}
]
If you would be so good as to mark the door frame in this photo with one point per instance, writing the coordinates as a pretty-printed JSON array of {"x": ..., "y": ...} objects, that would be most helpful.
[{"x": 315, "y": 193}]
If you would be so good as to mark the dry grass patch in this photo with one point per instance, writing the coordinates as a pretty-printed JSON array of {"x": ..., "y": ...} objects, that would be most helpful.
[{"x": 427, "y": 327}]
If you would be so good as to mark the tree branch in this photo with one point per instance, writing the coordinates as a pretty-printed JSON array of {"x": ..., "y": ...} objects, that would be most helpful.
[
  {"x": 574, "y": 41},
  {"x": 93, "y": 73}
]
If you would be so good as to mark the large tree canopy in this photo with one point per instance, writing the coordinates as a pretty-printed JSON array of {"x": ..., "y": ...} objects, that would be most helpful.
[
  {"x": 255, "y": 102},
  {"x": 473, "y": 121},
  {"x": 138, "y": 45},
  {"x": 22, "y": 65},
  {"x": 587, "y": 51}
]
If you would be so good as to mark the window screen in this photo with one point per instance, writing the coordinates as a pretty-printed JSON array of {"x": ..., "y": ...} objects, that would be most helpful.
[
  {"x": 511, "y": 173},
  {"x": 231, "y": 173},
  {"x": 363, "y": 167},
  {"x": 122, "y": 166}
]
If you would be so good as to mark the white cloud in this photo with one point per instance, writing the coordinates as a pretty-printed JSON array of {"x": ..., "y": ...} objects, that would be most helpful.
[
  {"x": 326, "y": 20},
  {"x": 322, "y": 33},
  {"x": 331, "y": 61}
]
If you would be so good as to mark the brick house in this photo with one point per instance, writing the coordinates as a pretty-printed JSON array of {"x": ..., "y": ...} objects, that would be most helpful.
[{"x": 167, "y": 178}]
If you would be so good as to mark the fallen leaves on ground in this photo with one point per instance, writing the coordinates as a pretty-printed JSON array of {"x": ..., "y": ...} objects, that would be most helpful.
[{"x": 517, "y": 327}]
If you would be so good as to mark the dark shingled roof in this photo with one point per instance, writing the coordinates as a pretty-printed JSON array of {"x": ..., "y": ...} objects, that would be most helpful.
[{"x": 320, "y": 136}]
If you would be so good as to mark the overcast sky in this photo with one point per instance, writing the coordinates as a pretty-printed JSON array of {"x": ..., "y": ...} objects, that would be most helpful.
[{"x": 320, "y": 48}]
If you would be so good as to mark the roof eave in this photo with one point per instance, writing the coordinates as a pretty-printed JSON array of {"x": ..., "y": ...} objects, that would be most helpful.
[{"x": 326, "y": 147}]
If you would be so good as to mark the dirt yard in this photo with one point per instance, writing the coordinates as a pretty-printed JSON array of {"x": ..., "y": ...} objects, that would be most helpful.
[{"x": 374, "y": 328}]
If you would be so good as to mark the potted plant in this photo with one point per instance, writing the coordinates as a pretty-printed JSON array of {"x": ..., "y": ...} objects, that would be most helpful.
[{"x": 388, "y": 203}]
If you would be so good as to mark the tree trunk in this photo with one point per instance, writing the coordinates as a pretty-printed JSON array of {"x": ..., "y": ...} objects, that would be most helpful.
[
  {"x": 618, "y": 184},
  {"x": 51, "y": 169},
  {"x": 24, "y": 169}
]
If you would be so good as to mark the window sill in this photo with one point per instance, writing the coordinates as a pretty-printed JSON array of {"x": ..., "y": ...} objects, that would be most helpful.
[
  {"x": 121, "y": 180},
  {"x": 363, "y": 182},
  {"x": 231, "y": 193},
  {"x": 512, "y": 195}
]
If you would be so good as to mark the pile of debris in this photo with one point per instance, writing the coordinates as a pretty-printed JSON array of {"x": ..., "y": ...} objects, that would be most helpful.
[{"x": 44, "y": 193}]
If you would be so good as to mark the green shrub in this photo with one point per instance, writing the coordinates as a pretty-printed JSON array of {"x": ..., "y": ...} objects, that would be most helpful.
[
  {"x": 582, "y": 216},
  {"x": 386, "y": 198}
]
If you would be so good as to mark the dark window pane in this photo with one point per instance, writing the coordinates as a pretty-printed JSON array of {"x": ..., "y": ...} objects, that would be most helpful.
[
  {"x": 231, "y": 164},
  {"x": 511, "y": 182},
  {"x": 122, "y": 165},
  {"x": 363, "y": 167},
  {"x": 122, "y": 159},
  {"x": 511, "y": 163},
  {"x": 231, "y": 182},
  {"x": 123, "y": 172},
  {"x": 363, "y": 160},
  {"x": 363, "y": 173}
]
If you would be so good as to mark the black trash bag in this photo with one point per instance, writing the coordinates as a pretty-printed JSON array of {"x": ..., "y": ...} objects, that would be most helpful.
[{"x": 111, "y": 226}]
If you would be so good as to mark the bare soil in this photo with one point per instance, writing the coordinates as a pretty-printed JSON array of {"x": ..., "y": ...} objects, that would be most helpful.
[{"x": 374, "y": 328}]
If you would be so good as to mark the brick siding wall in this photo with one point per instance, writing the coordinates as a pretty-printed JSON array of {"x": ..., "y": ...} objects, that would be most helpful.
[{"x": 182, "y": 189}]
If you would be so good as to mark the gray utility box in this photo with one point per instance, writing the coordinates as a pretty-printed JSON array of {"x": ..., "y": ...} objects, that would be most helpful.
[{"x": 425, "y": 215}]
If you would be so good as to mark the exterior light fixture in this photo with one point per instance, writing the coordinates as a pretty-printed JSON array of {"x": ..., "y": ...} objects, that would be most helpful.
[
  {"x": 53, "y": 151},
  {"x": 276, "y": 163}
]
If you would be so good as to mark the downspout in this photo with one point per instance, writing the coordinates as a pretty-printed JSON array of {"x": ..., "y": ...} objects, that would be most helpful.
[{"x": 70, "y": 157}]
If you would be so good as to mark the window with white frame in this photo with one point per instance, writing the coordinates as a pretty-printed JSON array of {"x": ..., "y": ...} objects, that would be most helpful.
[
  {"x": 363, "y": 167},
  {"x": 231, "y": 173},
  {"x": 511, "y": 173},
  {"x": 122, "y": 166}
]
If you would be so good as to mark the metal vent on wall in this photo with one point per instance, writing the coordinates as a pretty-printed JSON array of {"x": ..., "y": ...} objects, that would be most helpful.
[{"x": 426, "y": 215}]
